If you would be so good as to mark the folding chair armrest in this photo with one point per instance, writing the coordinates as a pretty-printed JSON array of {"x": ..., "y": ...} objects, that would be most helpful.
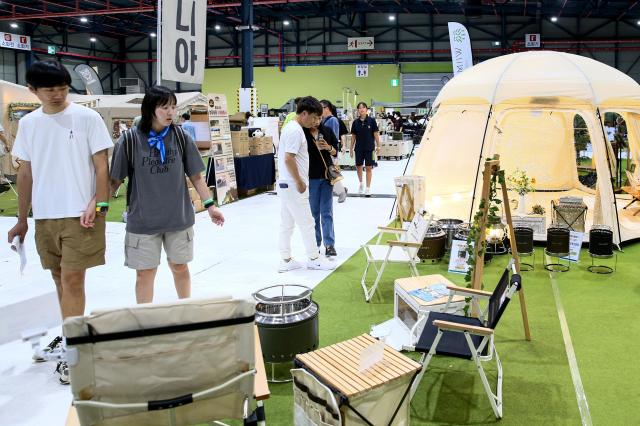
[
  {"x": 454, "y": 326},
  {"x": 403, "y": 244},
  {"x": 469, "y": 291},
  {"x": 391, "y": 230}
]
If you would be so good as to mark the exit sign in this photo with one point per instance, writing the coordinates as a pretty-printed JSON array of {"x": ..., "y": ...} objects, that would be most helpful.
[
  {"x": 51, "y": 50},
  {"x": 394, "y": 82}
]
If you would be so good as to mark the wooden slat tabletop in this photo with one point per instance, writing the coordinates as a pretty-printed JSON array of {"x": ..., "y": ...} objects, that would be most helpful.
[{"x": 337, "y": 366}]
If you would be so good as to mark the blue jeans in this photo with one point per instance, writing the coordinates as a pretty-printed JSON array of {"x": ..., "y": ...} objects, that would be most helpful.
[{"x": 321, "y": 201}]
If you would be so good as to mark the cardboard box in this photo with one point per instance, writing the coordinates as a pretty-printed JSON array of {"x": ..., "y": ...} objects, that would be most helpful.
[
  {"x": 199, "y": 117},
  {"x": 193, "y": 194},
  {"x": 197, "y": 206}
]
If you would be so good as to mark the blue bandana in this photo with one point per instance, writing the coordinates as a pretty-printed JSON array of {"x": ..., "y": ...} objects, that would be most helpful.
[{"x": 157, "y": 140}]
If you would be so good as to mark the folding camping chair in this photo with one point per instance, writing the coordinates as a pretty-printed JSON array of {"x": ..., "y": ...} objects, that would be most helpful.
[
  {"x": 404, "y": 249},
  {"x": 633, "y": 189},
  {"x": 468, "y": 337},
  {"x": 186, "y": 363}
]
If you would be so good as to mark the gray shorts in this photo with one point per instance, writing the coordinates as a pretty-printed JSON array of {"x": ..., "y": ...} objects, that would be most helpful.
[{"x": 142, "y": 251}]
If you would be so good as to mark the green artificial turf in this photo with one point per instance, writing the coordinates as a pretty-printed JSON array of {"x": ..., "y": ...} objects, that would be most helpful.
[{"x": 538, "y": 387}]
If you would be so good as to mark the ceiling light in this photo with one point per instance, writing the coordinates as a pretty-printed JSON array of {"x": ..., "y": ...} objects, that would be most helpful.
[
  {"x": 285, "y": 23},
  {"x": 554, "y": 18},
  {"x": 84, "y": 20},
  {"x": 217, "y": 27},
  {"x": 392, "y": 17},
  {"x": 92, "y": 39},
  {"x": 638, "y": 22},
  {"x": 496, "y": 43},
  {"x": 152, "y": 35},
  {"x": 13, "y": 25}
]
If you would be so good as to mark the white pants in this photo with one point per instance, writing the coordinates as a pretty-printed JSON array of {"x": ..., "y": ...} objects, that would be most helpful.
[{"x": 295, "y": 209}]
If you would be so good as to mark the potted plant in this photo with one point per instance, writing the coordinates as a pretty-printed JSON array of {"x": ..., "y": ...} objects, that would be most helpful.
[
  {"x": 538, "y": 209},
  {"x": 522, "y": 184}
]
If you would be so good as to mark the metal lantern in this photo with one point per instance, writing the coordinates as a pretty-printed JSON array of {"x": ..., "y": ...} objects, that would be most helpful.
[{"x": 495, "y": 234}]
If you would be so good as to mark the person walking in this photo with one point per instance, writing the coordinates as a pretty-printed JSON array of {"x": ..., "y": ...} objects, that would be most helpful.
[
  {"x": 156, "y": 156},
  {"x": 292, "y": 188},
  {"x": 365, "y": 139},
  {"x": 322, "y": 145},
  {"x": 63, "y": 176}
]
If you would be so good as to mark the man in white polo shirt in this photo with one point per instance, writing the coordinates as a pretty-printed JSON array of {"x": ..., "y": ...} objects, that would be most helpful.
[{"x": 293, "y": 188}]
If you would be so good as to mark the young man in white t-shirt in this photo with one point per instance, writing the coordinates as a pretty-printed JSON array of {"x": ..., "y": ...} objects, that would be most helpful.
[
  {"x": 64, "y": 177},
  {"x": 292, "y": 187}
]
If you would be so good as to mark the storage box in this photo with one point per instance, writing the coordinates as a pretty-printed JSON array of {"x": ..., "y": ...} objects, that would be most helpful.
[
  {"x": 197, "y": 206},
  {"x": 193, "y": 194},
  {"x": 407, "y": 308}
]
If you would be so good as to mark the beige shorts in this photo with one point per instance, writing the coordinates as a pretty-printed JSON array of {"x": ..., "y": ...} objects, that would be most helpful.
[
  {"x": 64, "y": 243},
  {"x": 142, "y": 251}
]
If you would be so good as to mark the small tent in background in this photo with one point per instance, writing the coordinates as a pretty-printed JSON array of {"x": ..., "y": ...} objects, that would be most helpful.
[{"x": 523, "y": 106}]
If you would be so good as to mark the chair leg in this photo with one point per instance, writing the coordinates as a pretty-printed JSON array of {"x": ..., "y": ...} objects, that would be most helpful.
[
  {"x": 425, "y": 360},
  {"x": 494, "y": 399},
  {"x": 368, "y": 292}
]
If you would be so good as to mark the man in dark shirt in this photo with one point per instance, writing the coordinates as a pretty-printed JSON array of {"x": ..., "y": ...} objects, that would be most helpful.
[{"x": 365, "y": 138}]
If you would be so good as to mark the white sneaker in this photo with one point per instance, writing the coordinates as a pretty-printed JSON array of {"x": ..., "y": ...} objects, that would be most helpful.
[
  {"x": 50, "y": 351},
  {"x": 367, "y": 192},
  {"x": 320, "y": 263},
  {"x": 361, "y": 188},
  {"x": 289, "y": 266}
]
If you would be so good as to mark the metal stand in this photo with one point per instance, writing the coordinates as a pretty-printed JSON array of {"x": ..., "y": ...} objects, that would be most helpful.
[
  {"x": 556, "y": 267},
  {"x": 602, "y": 269}
]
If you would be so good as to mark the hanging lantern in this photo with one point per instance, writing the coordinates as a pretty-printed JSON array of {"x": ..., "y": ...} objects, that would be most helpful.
[{"x": 495, "y": 232}]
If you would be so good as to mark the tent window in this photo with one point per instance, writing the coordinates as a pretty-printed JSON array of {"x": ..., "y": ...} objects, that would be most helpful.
[{"x": 584, "y": 153}]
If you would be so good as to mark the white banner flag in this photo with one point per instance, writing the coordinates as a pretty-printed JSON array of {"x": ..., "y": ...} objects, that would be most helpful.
[
  {"x": 460, "y": 48},
  {"x": 184, "y": 32}
]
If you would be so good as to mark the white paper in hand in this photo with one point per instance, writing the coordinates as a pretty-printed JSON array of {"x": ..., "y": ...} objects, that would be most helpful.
[
  {"x": 371, "y": 355},
  {"x": 18, "y": 247}
]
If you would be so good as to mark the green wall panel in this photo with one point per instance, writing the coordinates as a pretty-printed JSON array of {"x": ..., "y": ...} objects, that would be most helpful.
[
  {"x": 324, "y": 82},
  {"x": 425, "y": 67}
]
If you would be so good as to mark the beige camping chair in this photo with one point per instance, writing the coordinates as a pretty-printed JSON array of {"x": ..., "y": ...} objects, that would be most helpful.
[
  {"x": 404, "y": 249},
  {"x": 633, "y": 189},
  {"x": 186, "y": 363}
]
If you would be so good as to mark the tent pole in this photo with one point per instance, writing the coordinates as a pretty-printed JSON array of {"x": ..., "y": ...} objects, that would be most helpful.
[
  {"x": 615, "y": 202},
  {"x": 475, "y": 183}
]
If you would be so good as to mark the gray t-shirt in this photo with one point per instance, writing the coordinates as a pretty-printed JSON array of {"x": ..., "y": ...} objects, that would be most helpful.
[{"x": 159, "y": 196}]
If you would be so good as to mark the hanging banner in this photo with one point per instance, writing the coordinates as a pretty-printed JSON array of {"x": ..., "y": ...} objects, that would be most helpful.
[
  {"x": 89, "y": 78},
  {"x": 184, "y": 32},
  {"x": 460, "y": 48}
]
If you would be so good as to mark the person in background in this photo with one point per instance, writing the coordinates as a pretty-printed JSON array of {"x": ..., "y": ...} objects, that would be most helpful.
[
  {"x": 292, "y": 115},
  {"x": 365, "y": 139},
  {"x": 329, "y": 120},
  {"x": 160, "y": 210},
  {"x": 187, "y": 125},
  {"x": 64, "y": 177},
  {"x": 322, "y": 145},
  {"x": 398, "y": 122},
  {"x": 4, "y": 144},
  {"x": 292, "y": 187}
]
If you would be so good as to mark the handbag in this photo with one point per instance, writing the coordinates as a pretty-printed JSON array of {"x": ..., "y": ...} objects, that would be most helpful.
[{"x": 332, "y": 172}]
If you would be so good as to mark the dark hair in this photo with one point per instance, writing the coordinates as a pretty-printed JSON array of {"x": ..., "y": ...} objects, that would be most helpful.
[
  {"x": 362, "y": 104},
  {"x": 48, "y": 74},
  {"x": 310, "y": 105},
  {"x": 296, "y": 100},
  {"x": 156, "y": 96},
  {"x": 186, "y": 116}
]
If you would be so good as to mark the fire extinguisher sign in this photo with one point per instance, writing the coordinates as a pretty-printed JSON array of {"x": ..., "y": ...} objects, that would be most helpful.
[{"x": 532, "y": 40}]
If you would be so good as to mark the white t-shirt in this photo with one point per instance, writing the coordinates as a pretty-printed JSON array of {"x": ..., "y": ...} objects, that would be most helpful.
[
  {"x": 294, "y": 141},
  {"x": 59, "y": 147}
]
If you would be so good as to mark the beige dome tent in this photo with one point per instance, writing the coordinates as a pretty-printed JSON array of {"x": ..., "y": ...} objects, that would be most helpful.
[{"x": 522, "y": 107}]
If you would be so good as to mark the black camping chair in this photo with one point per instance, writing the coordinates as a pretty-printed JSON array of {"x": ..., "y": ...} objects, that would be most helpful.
[{"x": 468, "y": 337}]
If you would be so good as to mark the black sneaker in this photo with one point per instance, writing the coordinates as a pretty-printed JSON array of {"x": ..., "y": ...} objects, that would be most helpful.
[
  {"x": 63, "y": 372},
  {"x": 54, "y": 347},
  {"x": 330, "y": 251}
]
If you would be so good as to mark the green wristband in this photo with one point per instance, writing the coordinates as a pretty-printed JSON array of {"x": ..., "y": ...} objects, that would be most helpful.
[
  {"x": 102, "y": 204},
  {"x": 208, "y": 200}
]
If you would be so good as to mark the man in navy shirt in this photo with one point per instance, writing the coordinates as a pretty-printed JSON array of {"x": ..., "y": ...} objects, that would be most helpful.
[{"x": 365, "y": 138}]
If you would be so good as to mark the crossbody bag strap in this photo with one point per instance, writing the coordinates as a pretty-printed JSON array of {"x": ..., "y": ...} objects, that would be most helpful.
[
  {"x": 130, "y": 139},
  {"x": 326, "y": 171}
]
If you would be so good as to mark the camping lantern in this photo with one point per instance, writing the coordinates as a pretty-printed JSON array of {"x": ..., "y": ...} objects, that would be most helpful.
[{"x": 495, "y": 234}]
